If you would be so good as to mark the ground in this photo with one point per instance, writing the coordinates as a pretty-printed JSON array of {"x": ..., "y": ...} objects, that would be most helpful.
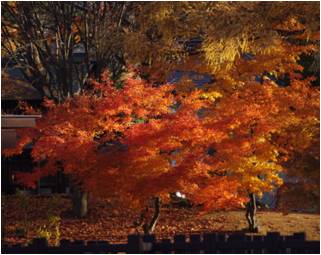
[{"x": 107, "y": 222}]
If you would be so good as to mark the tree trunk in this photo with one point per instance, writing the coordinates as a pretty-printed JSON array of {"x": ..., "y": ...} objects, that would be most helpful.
[
  {"x": 79, "y": 203},
  {"x": 251, "y": 213},
  {"x": 60, "y": 182},
  {"x": 149, "y": 227}
]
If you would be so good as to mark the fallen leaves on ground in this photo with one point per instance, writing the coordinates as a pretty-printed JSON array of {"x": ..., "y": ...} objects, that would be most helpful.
[{"x": 111, "y": 223}]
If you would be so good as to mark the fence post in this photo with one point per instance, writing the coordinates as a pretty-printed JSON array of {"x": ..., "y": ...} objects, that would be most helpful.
[
  {"x": 237, "y": 243},
  {"x": 220, "y": 244},
  {"x": 299, "y": 236},
  {"x": 92, "y": 246},
  {"x": 15, "y": 249},
  {"x": 134, "y": 244},
  {"x": 78, "y": 246},
  {"x": 273, "y": 242},
  {"x": 209, "y": 241},
  {"x": 195, "y": 244},
  {"x": 97, "y": 246},
  {"x": 297, "y": 242},
  {"x": 148, "y": 243},
  {"x": 257, "y": 244},
  {"x": 180, "y": 245},
  {"x": 313, "y": 247},
  {"x": 65, "y": 246},
  {"x": 165, "y": 246},
  {"x": 39, "y": 245}
]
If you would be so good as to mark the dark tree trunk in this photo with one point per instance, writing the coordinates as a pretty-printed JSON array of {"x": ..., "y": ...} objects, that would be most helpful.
[
  {"x": 60, "y": 182},
  {"x": 148, "y": 227},
  {"x": 79, "y": 203},
  {"x": 251, "y": 213}
]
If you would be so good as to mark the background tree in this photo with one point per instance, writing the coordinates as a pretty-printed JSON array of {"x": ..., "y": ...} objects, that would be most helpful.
[
  {"x": 303, "y": 165},
  {"x": 42, "y": 37},
  {"x": 57, "y": 46}
]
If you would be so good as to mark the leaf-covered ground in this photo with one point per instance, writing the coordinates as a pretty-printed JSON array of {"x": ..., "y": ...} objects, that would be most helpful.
[{"x": 107, "y": 222}]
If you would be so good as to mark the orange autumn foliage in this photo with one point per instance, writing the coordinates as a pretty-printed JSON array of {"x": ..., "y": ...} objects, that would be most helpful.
[
  {"x": 216, "y": 144},
  {"x": 134, "y": 143},
  {"x": 77, "y": 134},
  {"x": 239, "y": 129}
]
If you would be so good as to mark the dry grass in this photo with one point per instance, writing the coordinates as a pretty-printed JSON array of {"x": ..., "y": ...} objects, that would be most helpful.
[{"x": 271, "y": 221}]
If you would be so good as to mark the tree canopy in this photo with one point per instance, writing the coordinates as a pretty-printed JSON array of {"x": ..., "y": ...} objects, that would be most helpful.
[{"x": 141, "y": 138}]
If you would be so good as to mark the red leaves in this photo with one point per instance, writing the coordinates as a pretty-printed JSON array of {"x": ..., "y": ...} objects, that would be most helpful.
[
  {"x": 220, "y": 193},
  {"x": 29, "y": 179},
  {"x": 84, "y": 132}
]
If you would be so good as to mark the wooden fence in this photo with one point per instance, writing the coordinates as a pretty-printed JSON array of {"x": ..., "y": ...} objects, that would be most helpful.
[{"x": 273, "y": 242}]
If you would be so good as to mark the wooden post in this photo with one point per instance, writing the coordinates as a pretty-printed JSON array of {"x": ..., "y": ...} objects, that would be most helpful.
[
  {"x": 39, "y": 245},
  {"x": 209, "y": 243},
  {"x": 134, "y": 244},
  {"x": 272, "y": 242},
  {"x": 195, "y": 244},
  {"x": 257, "y": 244},
  {"x": 298, "y": 240},
  {"x": 148, "y": 243},
  {"x": 180, "y": 244},
  {"x": 237, "y": 243},
  {"x": 78, "y": 246},
  {"x": 165, "y": 246}
]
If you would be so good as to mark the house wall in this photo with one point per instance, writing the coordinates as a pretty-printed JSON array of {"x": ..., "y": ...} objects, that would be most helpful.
[
  {"x": 9, "y": 125},
  {"x": 9, "y": 138}
]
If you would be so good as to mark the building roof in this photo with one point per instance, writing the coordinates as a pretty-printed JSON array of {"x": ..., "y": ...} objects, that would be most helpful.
[
  {"x": 13, "y": 88},
  {"x": 18, "y": 121}
]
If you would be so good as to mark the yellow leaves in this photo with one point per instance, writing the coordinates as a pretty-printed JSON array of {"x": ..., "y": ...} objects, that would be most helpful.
[
  {"x": 77, "y": 39},
  {"x": 221, "y": 54},
  {"x": 278, "y": 181},
  {"x": 257, "y": 174},
  {"x": 213, "y": 95},
  {"x": 164, "y": 11},
  {"x": 261, "y": 140}
]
